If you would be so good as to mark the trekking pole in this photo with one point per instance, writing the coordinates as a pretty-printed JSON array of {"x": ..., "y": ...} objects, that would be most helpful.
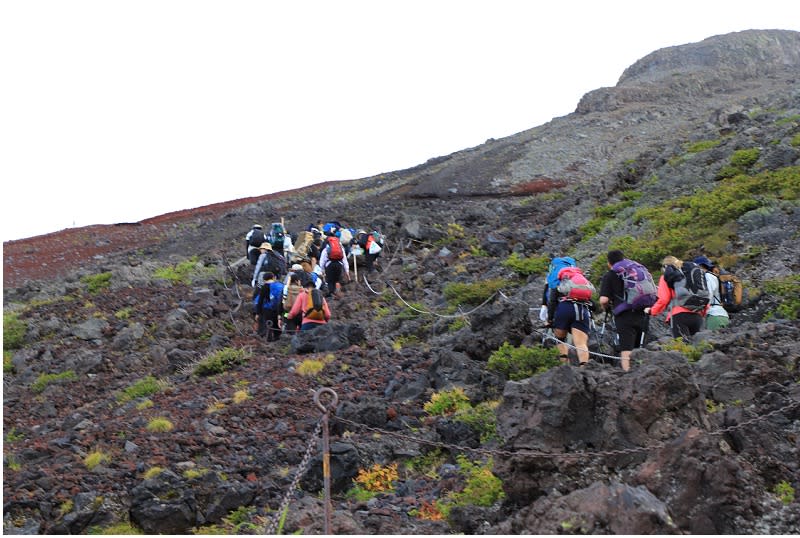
[{"x": 355, "y": 264}]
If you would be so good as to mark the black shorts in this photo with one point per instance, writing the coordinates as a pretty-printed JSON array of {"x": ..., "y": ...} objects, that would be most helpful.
[
  {"x": 630, "y": 328},
  {"x": 571, "y": 315}
]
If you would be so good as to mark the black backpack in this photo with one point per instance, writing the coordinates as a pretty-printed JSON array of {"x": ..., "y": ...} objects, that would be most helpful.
[
  {"x": 257, "y": 238},
  {"x": 689, "y": 283}
]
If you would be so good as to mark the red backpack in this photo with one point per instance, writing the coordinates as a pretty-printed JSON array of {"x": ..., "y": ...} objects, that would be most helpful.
[
  {"x": 573, "y": 285},
  {"x": 335, "y": 251}
]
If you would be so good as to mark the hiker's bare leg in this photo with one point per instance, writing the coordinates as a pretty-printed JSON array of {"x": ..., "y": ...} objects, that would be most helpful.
[
  {"x": 625, "y": 357},
  {"x": 563, "y": 351},
  {"x": 581, "y": 341}
]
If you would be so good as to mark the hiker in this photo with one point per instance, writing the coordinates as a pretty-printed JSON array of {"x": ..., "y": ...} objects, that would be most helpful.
[
  {"x": 626, "y": 289},
  {"x": 335, "y": 265},
  {"x": 252, "y": 241},
  {"x": 565, "y": 305},
  {"x": 312, "y": 315},
  {"x": 716, "y": 316},
  {"x": 280, "y": 240},
  {"x": 268, "y": 260},
  {"x": 269, "y": 307},
  {"x": 292, "y": 288},
  {"x": 684, "y": 321},
  {"x": 373, "y": 245},
  {"x": 315, "y": 248}
]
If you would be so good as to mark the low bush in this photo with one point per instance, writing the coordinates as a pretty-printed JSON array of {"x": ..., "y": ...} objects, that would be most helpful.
[
  {"x": 517, "y": 363},
  {"x": 44, "y": 380},
  {"x": 97, "y": 283},
  {"x": 531, "y": 265},
  {"x": 221, "y": 360},
  {"x": 14, "y": 330},
  {"x": 473, "y": 293}
]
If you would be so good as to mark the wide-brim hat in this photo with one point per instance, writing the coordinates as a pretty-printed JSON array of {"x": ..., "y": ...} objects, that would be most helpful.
[
  {"x": 265, "y": 246},
  {"x": 297, "y": 267}
]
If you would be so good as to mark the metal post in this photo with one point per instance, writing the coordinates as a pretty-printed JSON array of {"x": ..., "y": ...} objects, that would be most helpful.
[{"x": 326, "y": 453}]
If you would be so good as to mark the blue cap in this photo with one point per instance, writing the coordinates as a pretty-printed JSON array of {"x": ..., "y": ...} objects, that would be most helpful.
[{"x": 702, "y": 260}]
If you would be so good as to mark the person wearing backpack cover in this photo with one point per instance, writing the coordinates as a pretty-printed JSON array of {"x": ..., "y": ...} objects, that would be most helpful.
[
  {"x": 303, "y": 306},
  {"x": 568, "y": 294},
  {"x": 269, "y": 307},
  {"x": 334, "y": 263},
  {"x": 684, "y": 321},
  {"x": 627, "y": 304},
  {"x": 716, "y": 316}
]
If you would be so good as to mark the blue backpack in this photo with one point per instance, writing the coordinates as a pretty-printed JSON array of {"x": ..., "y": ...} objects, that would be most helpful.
[
  {"x": 275, "y": 298},
  {"x": 555, "y": 267}
]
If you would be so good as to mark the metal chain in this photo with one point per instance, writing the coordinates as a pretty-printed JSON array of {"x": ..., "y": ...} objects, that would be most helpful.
[
  {"x": 561, "y": 455},
  {"x": 273, "y": 526}
]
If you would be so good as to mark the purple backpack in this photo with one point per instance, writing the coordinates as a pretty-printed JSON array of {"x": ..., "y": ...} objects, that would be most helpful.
[{"x": 640, "y": 290}]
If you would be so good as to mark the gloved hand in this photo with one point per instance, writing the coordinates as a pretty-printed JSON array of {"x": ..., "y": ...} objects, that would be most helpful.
[{"x": 543, "y": 313}]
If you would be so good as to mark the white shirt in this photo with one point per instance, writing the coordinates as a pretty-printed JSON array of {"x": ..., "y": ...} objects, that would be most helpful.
[{"x": 716, "y": 308}]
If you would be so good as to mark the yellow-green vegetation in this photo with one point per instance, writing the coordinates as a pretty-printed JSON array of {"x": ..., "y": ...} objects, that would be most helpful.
[
  {"x": 66, "y": 507},
  {"x": 241, "y": 396},
  {"x": 531, "y": 265},
  {"x": 455, "y": 404},
  {"x": 702, "y": 145},
  {"x": 690, "y": 351},
  {"x": 44, "y": 380},
  {"x": 427, "y": 464},
  {"x": 191, "y": 474},
  {"x": 784, "y": 491},
  {"x": 180, "y": 273},
  {"x": 447, "y": 402},
  {"x": 152, "y": 472},
  {"x": 144, "y": 387},
  {"x": 787, "y": 289},
  {"x": 795, "y": 141},
  {"x": 215, "y": 406},
  {"x": 707, "y": 218},
  {"x": 95, "y": 458},
  {"x": 517, "y": 363},
  {"x": 97, "y": 283},
  {"x": 310, "y": 367},
  {"x": 124, "y": 313},
  {"x": 473, "y": 293},
  {"x": 14, "y": 330},
  {"x": 160, "y": 424},
  {"x": 8, "y": 365},
  {"x": 13, "y": 436},
  {"x": 404, "y": 341},
  {"x": 123, "y": 528},
  {"x": 221, "y": 360},
  {"x": 147, "y": 403},
  {"x": 482, "y": 487},
  {"x": 714, "y": 407},
  {"x": 238, "y": 521},
  {"x": 12, "y": 463},
  {"x": 457, "y": 324}
]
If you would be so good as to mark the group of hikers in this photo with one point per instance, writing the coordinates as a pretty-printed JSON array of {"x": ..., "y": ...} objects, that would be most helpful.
[
  {"x": 694, "y": 294},
  {"x": 293, "y": 278}
]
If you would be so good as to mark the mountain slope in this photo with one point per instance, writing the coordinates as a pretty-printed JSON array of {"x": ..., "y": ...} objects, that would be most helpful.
[{"x": 700, "y": 438}]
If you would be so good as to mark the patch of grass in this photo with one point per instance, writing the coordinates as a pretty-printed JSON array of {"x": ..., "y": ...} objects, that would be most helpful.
[
  {"x": 160, "y": 424},
  {"x": 93, "y": 459},
  {"x": 517, "y": 363},
  {"x": 179, "y": 274},
  {"x": 123, "y": 528},
  {"x": 690, "y": 351},
  {"x": 147, "y": 403},
  {"x": 482, "y": 487},
  {"x": 784, "y": 491},
  {"x": 531, "y": 265},
  {"x": 14, "y": 330},
  {"x": 144, "y": 387},
  {"x": 44, "y": 380},
  {"x": 12, "y": 436},
  {"x": 447, "y": 402},
  {"x": 8, "y": 365},
  {"x": 702, "y": 145},
  {"x": 124, "y": 313},
  {"x": 97, "y": 283},
  {"x": 787, "y": 289},
  {"x": 191, "y": 474},
  {"x": 310, "y": 367},
  {"x": 481, "y": 418},
  {"x": 152, "y": 472},
  {"x": 795, "y": 141},
  {"x": 13, "y": 463},
  {"x": 427, "y": 464},
  {"x": 221, "y": 361},
  {"x": 241, "y": 396},
  {"x": 473, "y": 293},
  {"x": 214, "y": 407}
]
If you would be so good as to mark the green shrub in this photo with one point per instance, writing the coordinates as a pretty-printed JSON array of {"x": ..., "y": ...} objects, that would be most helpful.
[
  {"x": 180, "y": 273},
  {"x": 517, "y": 363},
  {"x": 160, "y": 424},
  {"x": 44, "y": 380},
  {"x": 593, "y": 226},
  {"x": 144, "y": 387},
  {"x": 532, "y": 265},
  {"x": 745, "y": 158},
  {"x": 784, "y": 491},
  {"x": 690, "y": 351},
  {"x": 795, "y": 141},
  {"x": 97, "y": 283},
  {"x": 221, "y": 361},
  {"x": 14, "y": 330},
  {"x": 123, "y": 527},
  {"x": 702, "y": 145},
  {"x": 787, "y": 289},
  {"x": 482, "y": 487},
  {"x": 447, "y": 402},
  {"x": 474, "y": 293},
  {"x": 481, "y": 418}
]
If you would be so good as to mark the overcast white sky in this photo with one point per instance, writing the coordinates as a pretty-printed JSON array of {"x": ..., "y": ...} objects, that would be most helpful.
[{"x": 116, "y": 111}]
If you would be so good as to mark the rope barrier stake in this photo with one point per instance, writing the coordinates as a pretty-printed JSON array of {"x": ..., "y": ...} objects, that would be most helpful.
[{"x": 326, "y": 452}]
